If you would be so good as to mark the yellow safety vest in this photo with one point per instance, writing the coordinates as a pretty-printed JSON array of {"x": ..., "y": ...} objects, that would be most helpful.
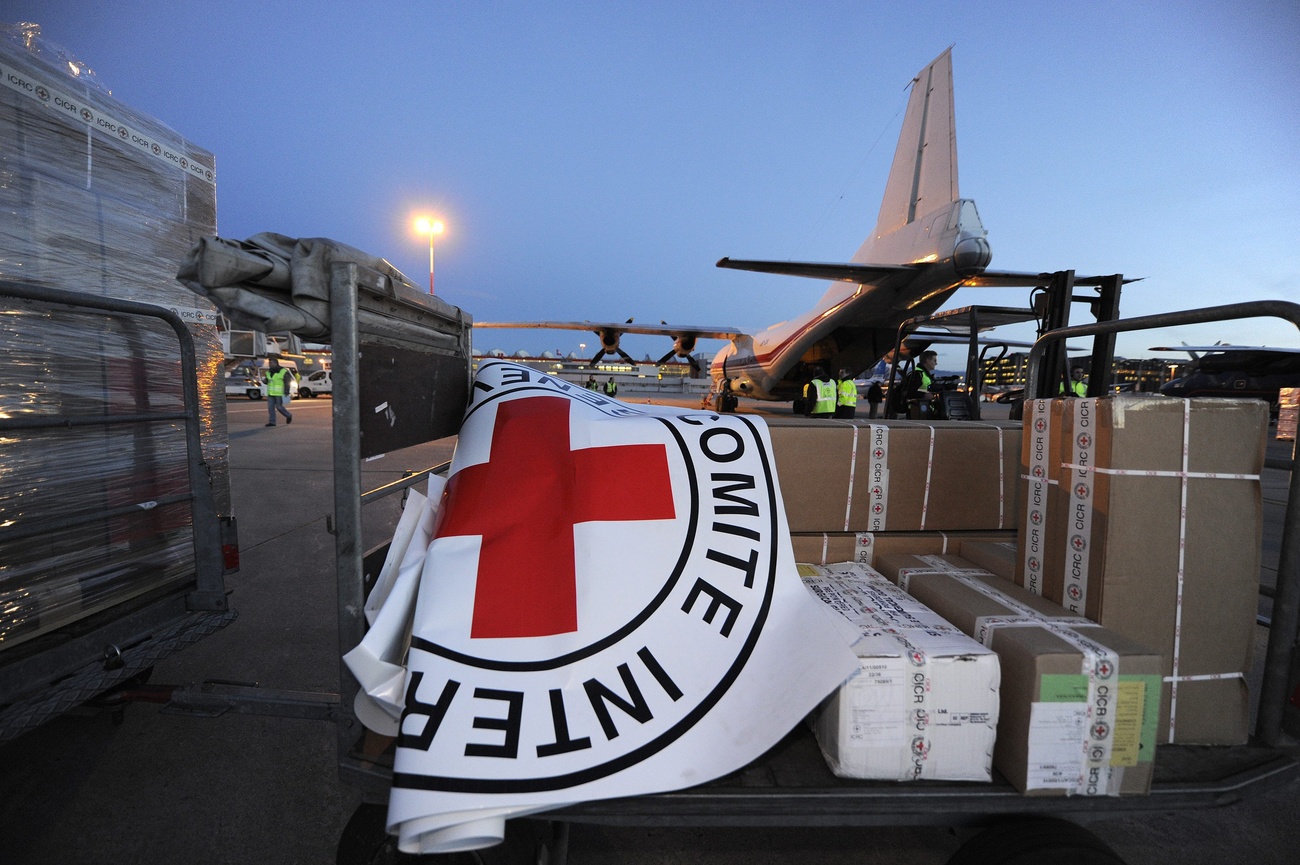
[
  {"x": 825, "y": 397},
  {"x": 1078, "y": 388},
  {"x": 848, "y": 392},
  {"x": 275, "y": 382}
]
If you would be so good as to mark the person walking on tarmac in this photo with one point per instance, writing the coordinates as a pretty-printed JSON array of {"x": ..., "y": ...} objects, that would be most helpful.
[
  {"x": 822, "y": 391},
  {"x": 591, "y": 384},
  {"x": 611, "y": 387},
  {"x": 846, "y": 396},
  {"x": 920, "y": 391},
  {"x": 277, "y": 388},
  {"x": 1078, "y": 387}
]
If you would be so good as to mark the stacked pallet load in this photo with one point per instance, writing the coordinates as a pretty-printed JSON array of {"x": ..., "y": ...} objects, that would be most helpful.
[{"x": 103, "y": 200}]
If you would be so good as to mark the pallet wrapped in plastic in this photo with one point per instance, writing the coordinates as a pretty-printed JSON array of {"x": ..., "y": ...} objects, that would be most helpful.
[{"x": 101, "y": 199}]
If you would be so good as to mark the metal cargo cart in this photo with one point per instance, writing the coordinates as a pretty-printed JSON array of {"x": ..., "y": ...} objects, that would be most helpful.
[{"x": 791, "y": 784}]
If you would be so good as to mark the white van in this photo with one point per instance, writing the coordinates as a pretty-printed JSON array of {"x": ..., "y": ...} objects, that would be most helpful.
[
  {"x": 247, "y": 381},
  {"x": 319, "y": 382}
]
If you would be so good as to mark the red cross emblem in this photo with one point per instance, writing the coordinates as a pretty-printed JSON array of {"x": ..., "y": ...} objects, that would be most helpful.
[
  {"x": 1081, "y": 491},
  {"x": 1033, "y": 564},
  {"x": 878, "y": 453},
  {"x": 1075, "y": 593},
  {"x": 1100, "y": 731},
  {"x": 524, "y": 503},
  {"x": 1040, "y": 425},
  {"x": 1078, "y": 543},
  {"x": 1104, "y": 669},
  {"x": 1084, "y": 440}
]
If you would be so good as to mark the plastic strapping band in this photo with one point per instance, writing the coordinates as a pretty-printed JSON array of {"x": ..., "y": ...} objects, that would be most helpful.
[
  {"x": 826, "y": 543},
  {"x": 929, "y": 471},
  {"x": 853, "y": 467},
  {"x": 1155, "y": 473},
  {"x": 1182, "y": 553},
  {"x": 1002, "y": 480},
  {"x": 1206, "y": 677}
]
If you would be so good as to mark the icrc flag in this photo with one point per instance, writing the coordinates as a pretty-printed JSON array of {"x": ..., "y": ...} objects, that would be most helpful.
[{"x": 608, "y": 606}]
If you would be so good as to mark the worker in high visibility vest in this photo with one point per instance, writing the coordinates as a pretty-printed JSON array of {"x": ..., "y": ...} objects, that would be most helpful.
[
  {"x": 846, "y": 397},
  {"x": 921, "y": 394},
  {"x": 1078, "y": 387},
  {"x": 277, "y": 388},
  {"x": 822, "y": 391}
]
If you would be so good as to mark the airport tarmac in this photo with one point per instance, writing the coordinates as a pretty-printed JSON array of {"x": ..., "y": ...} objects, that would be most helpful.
[{"x": 239, "y": 789}]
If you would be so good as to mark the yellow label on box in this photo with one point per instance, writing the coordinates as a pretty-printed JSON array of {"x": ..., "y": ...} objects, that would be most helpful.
[{"x": 1127, "y": 741}]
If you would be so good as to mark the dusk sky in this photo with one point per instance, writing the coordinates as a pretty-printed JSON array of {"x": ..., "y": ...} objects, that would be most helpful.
[{"x": 593, "y": 160}]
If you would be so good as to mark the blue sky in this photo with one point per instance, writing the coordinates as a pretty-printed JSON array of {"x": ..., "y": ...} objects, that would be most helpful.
[{"x": 593, "y": 160}]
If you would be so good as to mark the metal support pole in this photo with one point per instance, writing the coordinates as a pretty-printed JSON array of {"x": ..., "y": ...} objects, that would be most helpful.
[
  {"x": 1057, "y": 315},
  {"x": 1100, "y": 370},
  {"x": 346, "y": 409},
  {"x": 973, "y": 364}
]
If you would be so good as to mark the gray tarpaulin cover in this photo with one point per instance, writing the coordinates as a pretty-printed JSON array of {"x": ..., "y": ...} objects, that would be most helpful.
[{"x": 274, "y": 283}]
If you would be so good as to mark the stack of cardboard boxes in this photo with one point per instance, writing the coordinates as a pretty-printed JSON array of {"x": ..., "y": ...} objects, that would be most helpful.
[
  {"x": 1136, "y": 560},
  {"x": 1145, "y": 515}
]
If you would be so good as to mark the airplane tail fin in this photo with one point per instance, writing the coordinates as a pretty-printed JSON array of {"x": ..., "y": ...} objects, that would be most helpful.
[{"x": 924, "y": 173}]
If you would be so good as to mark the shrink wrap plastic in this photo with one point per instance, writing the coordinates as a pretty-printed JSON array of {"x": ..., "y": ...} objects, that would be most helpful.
[{"x": 98, "y": 198}]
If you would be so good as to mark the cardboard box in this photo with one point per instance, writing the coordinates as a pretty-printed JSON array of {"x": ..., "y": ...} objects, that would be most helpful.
[
  {"x": 924, "y": 703},
  {"x": 1152, "y": 528},
  {"x": 823, "y": 548},
  {"x": 1079, "y": 702},
  {"x": 995, "y": 556},
  {"x": 875, "y": 476}
]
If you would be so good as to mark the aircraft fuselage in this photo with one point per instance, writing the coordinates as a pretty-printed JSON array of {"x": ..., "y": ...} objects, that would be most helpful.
[{"x": 853, "y": 325}]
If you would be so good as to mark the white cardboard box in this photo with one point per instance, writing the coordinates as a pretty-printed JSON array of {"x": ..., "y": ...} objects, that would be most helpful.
[{"x": 924, "y": 702}]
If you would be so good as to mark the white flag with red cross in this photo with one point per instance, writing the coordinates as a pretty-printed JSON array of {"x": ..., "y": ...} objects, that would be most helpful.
[{"x": 609, "y": 606}]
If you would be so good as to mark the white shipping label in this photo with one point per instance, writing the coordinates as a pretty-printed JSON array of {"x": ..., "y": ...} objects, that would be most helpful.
[
  {"x": 877, "y": 697},
  {"x": 1056, "y": 731}
]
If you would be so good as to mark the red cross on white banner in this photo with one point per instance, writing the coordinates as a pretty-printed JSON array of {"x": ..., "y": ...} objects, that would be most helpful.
[{"x": 524, "y": 503}]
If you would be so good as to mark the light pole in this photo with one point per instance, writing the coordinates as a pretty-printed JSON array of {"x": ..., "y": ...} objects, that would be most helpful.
[{"x": 431, "y": 227}]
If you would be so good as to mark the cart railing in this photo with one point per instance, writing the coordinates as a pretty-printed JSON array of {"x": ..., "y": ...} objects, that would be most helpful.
[{"x": 66, "y": 674}]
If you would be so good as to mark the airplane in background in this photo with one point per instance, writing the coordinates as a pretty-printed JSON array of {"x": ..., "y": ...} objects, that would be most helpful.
[
  {"x": 1235, "y": 371},
  {"x": 927, "y": 243}
]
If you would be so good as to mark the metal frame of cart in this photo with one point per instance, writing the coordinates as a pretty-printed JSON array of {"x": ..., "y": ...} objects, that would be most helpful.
[{"x": 791, "y": 785}]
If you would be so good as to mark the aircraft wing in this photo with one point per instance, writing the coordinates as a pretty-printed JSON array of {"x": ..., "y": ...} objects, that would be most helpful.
[
  {"x": 924, "y": 340},
  {"x": 620, "y": 327},
  {"x": 1224, "y": 348},
  {"x": 864, "y": 274},
  {"x": 1024, "y": 279}
]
